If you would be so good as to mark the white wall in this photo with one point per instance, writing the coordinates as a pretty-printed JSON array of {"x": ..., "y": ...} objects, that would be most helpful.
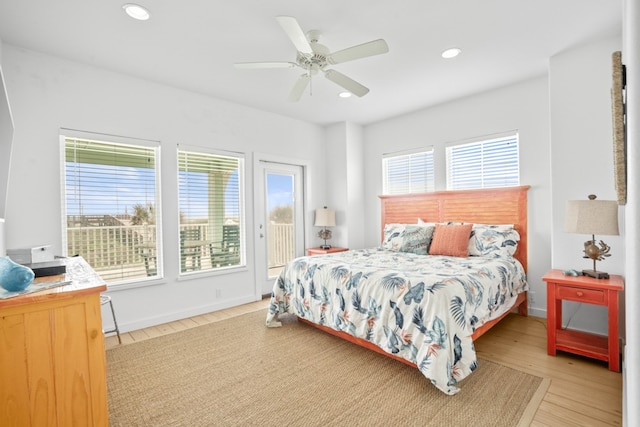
[
  {"x": 356, "y": 186},
  {"x": 6, "y": 138},
  {"x": 48, "y": 93},
  {"x": 631, "y": 362},
  {"x": 582, "y": 162},
  {"x": 345, "y": 184},
  {"x": 335, "y": 178},
  {"x": 522, "y": 107}
]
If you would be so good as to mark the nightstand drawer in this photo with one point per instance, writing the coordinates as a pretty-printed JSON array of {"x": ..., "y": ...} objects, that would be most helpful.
[
  {"x": 320, "y": 251},
  {"x": 591, "y": 296}
]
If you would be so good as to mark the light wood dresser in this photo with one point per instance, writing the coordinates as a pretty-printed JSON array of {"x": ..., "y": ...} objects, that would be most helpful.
[{"x": 52, "y": 356}]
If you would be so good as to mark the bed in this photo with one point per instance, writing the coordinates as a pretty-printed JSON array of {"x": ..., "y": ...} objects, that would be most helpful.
[{"x": 401, "y": 300}]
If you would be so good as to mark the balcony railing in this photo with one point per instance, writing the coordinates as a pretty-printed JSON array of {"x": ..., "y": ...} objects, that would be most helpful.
[
  {"x": 114, "y": 251},
  {"x": 118, "y": 252},
  {"x": 280, "y": 244}
]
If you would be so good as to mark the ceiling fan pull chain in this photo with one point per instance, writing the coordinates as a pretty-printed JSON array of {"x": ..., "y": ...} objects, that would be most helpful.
[{"x": 310, "y": 82}]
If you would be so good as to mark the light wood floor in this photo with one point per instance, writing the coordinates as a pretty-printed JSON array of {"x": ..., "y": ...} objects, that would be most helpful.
[{"x": 583, "y": 392}]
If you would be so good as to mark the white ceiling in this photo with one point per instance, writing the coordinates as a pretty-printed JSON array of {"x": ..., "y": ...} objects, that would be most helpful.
[{"x": 193, "y": 44}]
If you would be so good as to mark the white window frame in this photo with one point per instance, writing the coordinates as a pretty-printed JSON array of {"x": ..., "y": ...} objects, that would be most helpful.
[
  {"x": 154, "y": 252},
  {"x": 488, "y": 162},
  {"x": 407, "y": 170},
  {"x": 213, "y": 240}
]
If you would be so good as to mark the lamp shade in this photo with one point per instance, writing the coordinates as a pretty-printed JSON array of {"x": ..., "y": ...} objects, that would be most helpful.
[
  {"x": 592, "y": 217},
  {"x": 325, "y": 217}
]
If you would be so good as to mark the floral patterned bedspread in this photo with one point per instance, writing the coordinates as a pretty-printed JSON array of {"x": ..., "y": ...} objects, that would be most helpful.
[{"x": 420, "y": 308}]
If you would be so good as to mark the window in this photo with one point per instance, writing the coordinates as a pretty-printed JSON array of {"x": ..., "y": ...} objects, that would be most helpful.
[
  {"x": 408, "y": 172},
  {"x": 211, "y": 203},
  {"x": 484, "y": 164},
  {"x": 110, "y": 193}
]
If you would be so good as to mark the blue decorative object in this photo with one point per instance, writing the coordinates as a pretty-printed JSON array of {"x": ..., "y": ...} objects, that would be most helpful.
[{"x": 14, "y": 277}]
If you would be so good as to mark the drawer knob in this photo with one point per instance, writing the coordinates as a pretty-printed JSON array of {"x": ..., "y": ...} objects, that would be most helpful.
[{"x": 580, "y": 293}]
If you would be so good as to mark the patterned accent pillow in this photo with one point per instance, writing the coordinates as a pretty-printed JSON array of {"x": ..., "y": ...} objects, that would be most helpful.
[
  {"x": 451, "y": 240},
  {"x": 407, "y": 238},
  {"x": 493, "y": 240}
]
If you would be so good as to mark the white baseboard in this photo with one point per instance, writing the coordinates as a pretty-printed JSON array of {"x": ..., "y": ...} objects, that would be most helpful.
[
  {"x": 537, "y": 312},
  {"x": 177, "y": 315}
]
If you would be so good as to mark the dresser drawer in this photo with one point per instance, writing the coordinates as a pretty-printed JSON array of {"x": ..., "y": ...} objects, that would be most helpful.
[{"x": 591, "y": 296}]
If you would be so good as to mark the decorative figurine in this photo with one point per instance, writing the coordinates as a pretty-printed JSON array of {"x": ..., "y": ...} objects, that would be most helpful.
[{"x": 14, "y": 277}]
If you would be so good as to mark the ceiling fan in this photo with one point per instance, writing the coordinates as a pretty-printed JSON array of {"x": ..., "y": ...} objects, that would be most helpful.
[{"x": 313, "y": 57}]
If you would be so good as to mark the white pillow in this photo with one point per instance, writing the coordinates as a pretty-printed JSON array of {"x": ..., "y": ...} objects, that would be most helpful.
[{"x": 499, "y": 240}]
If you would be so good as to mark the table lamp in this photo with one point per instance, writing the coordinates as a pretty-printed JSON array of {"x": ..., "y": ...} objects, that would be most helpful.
[
  {"x": 325, "y": 218},
  {"x": 593, "y": 217}
]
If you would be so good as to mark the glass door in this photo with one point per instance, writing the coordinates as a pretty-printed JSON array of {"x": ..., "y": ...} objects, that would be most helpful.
[{"x": 280, "y": 220}]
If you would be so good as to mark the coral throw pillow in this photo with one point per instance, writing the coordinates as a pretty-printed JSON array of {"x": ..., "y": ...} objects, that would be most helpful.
[{"x": 451, "y": 240}]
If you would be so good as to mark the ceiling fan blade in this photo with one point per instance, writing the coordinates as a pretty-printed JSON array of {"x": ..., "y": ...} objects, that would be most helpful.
[
  {"x": 290, "y": 26},
  {"x": 371, "y": 48},
  {"x": 349, "y": 84},
  {"x": 299, "y": 87},
  {"x": 252, "y": 65}
]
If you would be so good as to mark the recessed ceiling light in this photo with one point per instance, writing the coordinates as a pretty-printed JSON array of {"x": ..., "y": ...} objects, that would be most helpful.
[
  {"x": 136, "y": 11},
  {"x": 345, "y": 94},
  {"x": 451, "y": 53}
]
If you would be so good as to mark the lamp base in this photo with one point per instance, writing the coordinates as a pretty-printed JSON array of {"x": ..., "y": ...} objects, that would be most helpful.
[
  {"x": 325, "y": 246},
  {"x": 596, "y": 274}
]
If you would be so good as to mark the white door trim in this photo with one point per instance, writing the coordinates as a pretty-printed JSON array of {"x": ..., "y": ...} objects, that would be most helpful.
[{"x": 260, "y": 251}]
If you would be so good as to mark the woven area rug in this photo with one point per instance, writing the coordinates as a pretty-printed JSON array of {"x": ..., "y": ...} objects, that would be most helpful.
[{"x": 237, "y": 372}]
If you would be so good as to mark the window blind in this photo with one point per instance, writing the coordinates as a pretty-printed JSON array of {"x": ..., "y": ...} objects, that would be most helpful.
[
  {"x": 211, "y": 203},
  {"x": 110, "y": 198},
  {"x": 483, "y": 164},
  {"x": 408, "y": 173}
]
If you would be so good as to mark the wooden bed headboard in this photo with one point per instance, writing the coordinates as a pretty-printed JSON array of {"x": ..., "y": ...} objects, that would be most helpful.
[{"x": 486, "y": 206}]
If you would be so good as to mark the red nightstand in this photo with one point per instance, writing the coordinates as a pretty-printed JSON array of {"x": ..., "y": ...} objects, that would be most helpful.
[
  {"x": 590, "y": 291},
  {"x": 320, "y": 251}
]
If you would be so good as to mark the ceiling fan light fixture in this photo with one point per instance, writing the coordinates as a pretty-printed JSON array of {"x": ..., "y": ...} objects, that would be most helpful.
[
  {"x": 136, "y": 11},
  {"x": 313, "y": 57},
  {"x": 451, "y": 53},
  {"x": 345, "y": 94}
]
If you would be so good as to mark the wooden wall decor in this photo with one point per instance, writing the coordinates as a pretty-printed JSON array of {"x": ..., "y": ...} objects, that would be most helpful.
[{"x": 619, "y": 124}]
